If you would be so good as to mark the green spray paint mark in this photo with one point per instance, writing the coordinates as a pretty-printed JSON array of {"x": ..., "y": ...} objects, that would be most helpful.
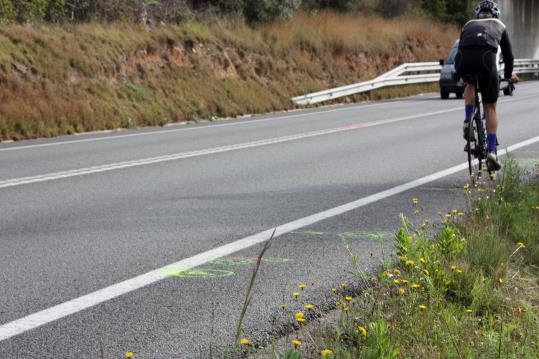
[
  {"x": 364, "y": 234},
  {"x": 309, "y": 232},
  {"x": 375, "y": 235},
  {"x": 199, "y": 273},
  {"x": 443, "y": 189},
  {"x": 239, "y": 261},
  {"x": 528, "y": 162}
]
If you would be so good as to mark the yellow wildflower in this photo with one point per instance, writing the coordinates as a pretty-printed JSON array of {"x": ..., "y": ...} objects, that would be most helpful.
[
  {"x": 448, "y": 216},
  {"x": 301, "y": 286},
  {"x": 296, "y": 343},
  {"x": 283, "y": 306},
  {"x": 501, "y": 280},
  {"x": 454, "y": 267},
  {"x": 422, "y": 260},
  {"x": 466, "y": 186},
  {"x": 415, "y": 201},
  {"x": 426, "y": 272},
  {"x": 459, "y": 271},
  {"x": 334, "y": 290},
  {"x": 295, "y": 294},
  {"x": 397, "y": 281},
  {"x": 396, "y": 271},
  {"x": 300, "y": 320},
  {"x": 416, "y": 286},
  {"x": 410, "y": 262},
  {"x": 299, "y": 316},
  {"x": 520, "y": 310},
  {"x": 401, "y": 291},
  {"x": 244, "y": 342},
  {"x": 455, "y": 211},
  {"x": 348, "y": 299},
  {"x": 521, "y": 245},
  {"x": 460, "y": 214},
  {"x": 469, "y": 311},
  {"x": 129, "y": 355},
  {"x": 362, "y": 330},
  {"x": 400, "y": 258},
  {"x": 338, "y": 304},
  {"x": 326, "y": 353},
  {"x": 343, "y": 285},
  {"x": 385, "y": 274},
  {"x": 404, "y": 281},
  {"x": 422, "y": 307},
  {"x": 309, "y": 306}
]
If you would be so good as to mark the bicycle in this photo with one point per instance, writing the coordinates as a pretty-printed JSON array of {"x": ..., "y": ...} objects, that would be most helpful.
[{"x": 476, "y": 142}]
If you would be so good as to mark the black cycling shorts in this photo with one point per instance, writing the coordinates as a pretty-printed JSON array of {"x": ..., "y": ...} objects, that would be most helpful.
[{"x": 480, "y": 61}]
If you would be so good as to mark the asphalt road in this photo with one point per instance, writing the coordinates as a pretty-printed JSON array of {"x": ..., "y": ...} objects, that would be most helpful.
[{"x": 81, "y": 216}]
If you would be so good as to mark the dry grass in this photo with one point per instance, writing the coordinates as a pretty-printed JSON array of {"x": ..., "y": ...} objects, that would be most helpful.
[{"x": 64, "y": 79}]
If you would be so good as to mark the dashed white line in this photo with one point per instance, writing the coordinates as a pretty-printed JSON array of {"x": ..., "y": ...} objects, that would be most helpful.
[{"x": 183, "y": 155}]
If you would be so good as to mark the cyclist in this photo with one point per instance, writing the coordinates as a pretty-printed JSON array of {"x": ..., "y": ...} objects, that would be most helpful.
[{"x": 479, "y": 42}]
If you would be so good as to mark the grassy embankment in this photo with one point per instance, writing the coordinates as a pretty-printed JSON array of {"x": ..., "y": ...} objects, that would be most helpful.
[
  {"x": 58, "y": 80},
  {"x": 471, "y": 291}
]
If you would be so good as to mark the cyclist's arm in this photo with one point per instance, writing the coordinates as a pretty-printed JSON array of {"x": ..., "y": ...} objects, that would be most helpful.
[{"x": 507, "y": 52}]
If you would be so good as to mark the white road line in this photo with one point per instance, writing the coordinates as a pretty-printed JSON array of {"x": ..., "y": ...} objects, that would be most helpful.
[
  {"x": 246, "y": 122},
  {"x": 76, "y": 305},
  {"x": 183, "y": 155},
  {"x": 164, "y": 132}
]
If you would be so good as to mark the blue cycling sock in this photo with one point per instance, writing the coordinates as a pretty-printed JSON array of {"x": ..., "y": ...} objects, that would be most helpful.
[
  {"x": 491, "y": 140},
  {"x": 469, "y": 112}
]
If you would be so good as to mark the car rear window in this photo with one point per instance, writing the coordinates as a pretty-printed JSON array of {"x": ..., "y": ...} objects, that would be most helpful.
[{"x": 451, "y": 58}]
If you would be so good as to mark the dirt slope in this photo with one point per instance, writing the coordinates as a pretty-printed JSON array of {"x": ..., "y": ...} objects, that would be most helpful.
[{"x": 58, "y": 80}]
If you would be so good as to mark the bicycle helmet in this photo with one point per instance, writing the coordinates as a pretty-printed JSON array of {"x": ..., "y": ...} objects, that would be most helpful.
[{"x": 487, "y": 8}]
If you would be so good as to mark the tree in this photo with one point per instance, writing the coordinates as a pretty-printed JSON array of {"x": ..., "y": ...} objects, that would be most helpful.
[
  {"x": 7, "y": 10},
  {"x": 30, "y": 10},
  {"x": 266, "y": 10}
]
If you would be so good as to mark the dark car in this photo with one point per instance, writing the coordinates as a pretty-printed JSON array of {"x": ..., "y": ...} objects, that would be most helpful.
[{"x": 449, "y": 82}]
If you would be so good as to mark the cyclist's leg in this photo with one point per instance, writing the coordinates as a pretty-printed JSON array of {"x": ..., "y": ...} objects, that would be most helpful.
[
  {"x": 491, "y": 117},
  {"x": 490, "y": 88},
  {"x": 469, "y": 99},
  {"x": 464, "y": 62}
]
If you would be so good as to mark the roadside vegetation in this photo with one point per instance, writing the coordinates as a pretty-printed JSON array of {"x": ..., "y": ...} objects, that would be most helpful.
[
  {"x": 470, "y": 289},
  {"x": 66, "y": 78},
  {"x": 175, "y": 11}
]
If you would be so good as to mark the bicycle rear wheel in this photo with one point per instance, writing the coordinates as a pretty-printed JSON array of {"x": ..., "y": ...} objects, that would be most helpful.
[{"x": 475, "y": 146}]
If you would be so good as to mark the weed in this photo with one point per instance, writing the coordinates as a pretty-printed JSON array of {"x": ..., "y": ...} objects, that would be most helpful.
[{"x": 469, "y": 292}]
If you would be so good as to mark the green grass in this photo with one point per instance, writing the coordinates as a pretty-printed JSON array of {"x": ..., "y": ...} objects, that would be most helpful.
[{"x": 470, "y": 291}]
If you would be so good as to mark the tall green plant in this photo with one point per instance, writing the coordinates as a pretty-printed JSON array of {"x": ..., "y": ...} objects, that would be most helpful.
[{"x": 7, "y": 11}]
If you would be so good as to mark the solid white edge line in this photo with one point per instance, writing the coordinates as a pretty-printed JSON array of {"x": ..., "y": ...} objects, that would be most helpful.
[{"x": 76, "y": 305}]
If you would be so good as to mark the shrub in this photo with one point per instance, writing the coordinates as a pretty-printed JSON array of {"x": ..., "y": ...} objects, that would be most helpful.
[{"x": 267, "y": 10}]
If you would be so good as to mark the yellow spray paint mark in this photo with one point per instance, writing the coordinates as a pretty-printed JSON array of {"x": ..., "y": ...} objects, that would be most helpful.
[{"x": 199, "y": 273}]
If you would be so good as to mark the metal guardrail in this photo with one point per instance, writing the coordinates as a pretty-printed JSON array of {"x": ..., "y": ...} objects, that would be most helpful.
[{"x": 405, "y": 74}]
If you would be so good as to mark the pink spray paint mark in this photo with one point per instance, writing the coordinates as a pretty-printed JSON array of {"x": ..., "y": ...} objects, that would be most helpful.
[{"x": 353, "y": 127}]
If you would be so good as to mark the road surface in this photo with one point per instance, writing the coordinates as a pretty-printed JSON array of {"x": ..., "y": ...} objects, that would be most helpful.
[{"x": 96, "y": 230}]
